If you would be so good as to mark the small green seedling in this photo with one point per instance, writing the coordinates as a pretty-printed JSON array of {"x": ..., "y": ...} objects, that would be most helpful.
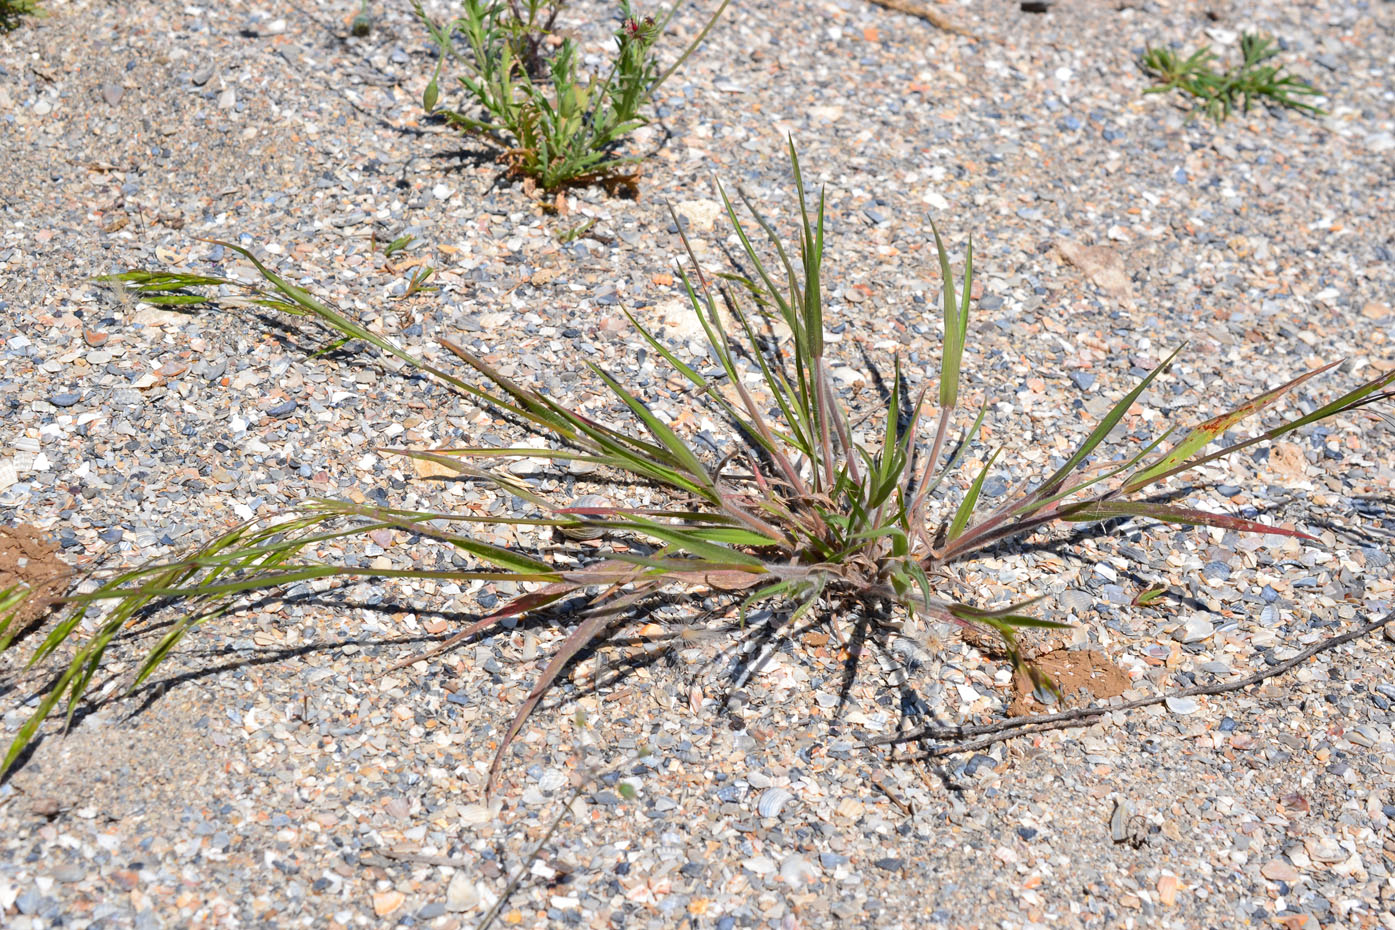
[
  {"x": 1149, "y": 595},
  {"x": 362, "y": 23},
  {"x": 12, "y": 10},
  {"x": 400, "y": 244},
  {"x": 1254, "y": 79}
]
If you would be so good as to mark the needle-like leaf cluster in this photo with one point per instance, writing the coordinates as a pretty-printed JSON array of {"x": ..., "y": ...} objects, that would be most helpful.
[{"x": 1218, "y": 94}]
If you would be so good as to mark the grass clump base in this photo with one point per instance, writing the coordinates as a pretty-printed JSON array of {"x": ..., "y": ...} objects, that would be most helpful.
[
  {"x": 1218, "y": 94},
  {"x": 800, "y": 514}
]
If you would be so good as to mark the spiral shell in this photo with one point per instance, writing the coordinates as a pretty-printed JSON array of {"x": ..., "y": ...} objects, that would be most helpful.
[{"x": 772, "y": 801}]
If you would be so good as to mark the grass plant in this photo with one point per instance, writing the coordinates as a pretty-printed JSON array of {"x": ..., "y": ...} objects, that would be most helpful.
[
  {"x": 1219, "y": 94},
  {"x": 12, "y": 10},
  {"x": 362, "y": 23},
  {"x": 800, "y": 515},
  {"x": 525, "y": 89}
]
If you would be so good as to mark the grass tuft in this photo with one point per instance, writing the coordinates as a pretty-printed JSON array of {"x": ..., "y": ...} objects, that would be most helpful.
[
  {"x": 803, "y": 513},
  {"x": 525, "y": 90},
  {"x": 1218, "y": 94},
  {"x": 12, "y": 10}
]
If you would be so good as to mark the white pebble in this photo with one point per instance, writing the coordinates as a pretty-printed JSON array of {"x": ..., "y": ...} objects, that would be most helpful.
[{"x": 1194, "y": 630}]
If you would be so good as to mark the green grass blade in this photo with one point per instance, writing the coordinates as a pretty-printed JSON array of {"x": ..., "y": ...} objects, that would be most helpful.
[
  {"x": 952, "y": 351},
  {"x": 1203, "y": 435},
  {"x": 676, "y": 447},
  {"x": 1373, "y": 391},
  {"x": 1103, "y": 429},
  {"x": 966, "y": 506}
]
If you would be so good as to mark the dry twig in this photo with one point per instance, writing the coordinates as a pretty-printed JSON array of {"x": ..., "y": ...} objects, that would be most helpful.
[
  {"x": 938, "y": 20},
  {"x": 991, "y": 733}
]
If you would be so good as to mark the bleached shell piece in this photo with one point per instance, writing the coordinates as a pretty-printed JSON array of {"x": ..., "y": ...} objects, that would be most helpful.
[
  {"x": 552, "y": 779},
  {"x": 772, "y": 801}
]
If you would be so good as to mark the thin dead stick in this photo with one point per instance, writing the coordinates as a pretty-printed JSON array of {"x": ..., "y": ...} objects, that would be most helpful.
[
  {"x": 399, "y": 855},
  {"x": 591, "y": 776},
  {"x": 938, "y": 20},
  {"x": 1007, "y": 729},
  {"x": 527, "y": 864}
]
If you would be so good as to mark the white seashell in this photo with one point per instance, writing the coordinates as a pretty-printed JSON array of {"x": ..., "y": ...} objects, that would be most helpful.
[
  {"x": 761, "y": 865},
  {"x": 551, "y": 780},
  {"x": 1119, "y": 820},
  {"x": 796, "y": 871},
  {"x": 1181, "y": 706},
  {"x": 772, "y": 801},
  {"x": 476, "y": 813},
  {"x": 461, "y": 894}
]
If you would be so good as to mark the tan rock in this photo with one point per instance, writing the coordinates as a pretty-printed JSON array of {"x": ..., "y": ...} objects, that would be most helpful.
[
  {"x": 426, "y": 468},
  {"x": 1287, "y": 460},
  {"x": 1167, "y": 889},
  {"x": 385, "y": 902},
  {"x": 1102, "y": 265},
  {"x": 701, "y": 214},
  {"x": 1276, "y": 870}
]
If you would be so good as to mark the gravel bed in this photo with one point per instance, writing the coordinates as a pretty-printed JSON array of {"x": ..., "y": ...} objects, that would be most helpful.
[{"x": 278, "y": 774}]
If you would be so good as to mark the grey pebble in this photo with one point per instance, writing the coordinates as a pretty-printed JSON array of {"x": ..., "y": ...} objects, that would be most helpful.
[
  {"x": 1083, "y": 379},
  {"x": 112, "y": 93},
  {"x": 203, "y": 75},
  {"x": 69, "y": 873},
  {"x": 1077, "y": 601},
  {"x": 65, "y": 399},
  {"x": 28, "y": 901},
  {"x": 283, "y": 409},
  {"x": 1216, "y": 570}
]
